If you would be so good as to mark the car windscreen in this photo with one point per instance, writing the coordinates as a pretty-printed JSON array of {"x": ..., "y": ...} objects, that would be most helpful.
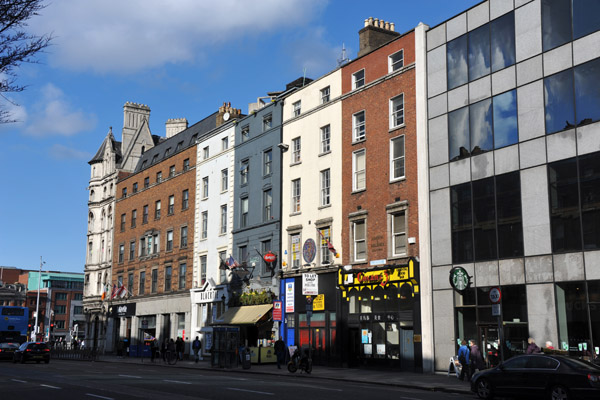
[
  {"x": 579, "y": 364},
  {"x": 37, "y": 346}
]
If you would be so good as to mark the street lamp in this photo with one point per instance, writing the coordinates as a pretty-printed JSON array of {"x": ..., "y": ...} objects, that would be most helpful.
[{"x": 37, "y": 305}]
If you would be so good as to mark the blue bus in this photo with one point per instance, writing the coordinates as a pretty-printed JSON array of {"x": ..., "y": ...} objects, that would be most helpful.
[{"x": 13, "y": 324}]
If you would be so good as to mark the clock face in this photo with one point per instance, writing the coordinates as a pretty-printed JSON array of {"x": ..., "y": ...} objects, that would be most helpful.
[{"x": 226, "y": 116}]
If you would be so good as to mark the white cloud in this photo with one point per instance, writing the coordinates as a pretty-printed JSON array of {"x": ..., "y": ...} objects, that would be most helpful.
[
  {"x": 127, "y": 36},
  {"x": 60, "y": 152},
  {"x": 53, "y": 115},
  {"x": 312, "y": 52}
]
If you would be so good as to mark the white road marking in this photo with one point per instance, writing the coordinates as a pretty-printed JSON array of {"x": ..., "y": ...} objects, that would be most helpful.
[
  {"x": 131, "y": 376},
  {"x": 250, "y": 391},
  {"x": 51, "y": 387},
  {"x": 185, "y": 383},
  {"x": 409, "y": 398},
  {"x": 17, "y": 380},
  {"x": 100, "y": 397}
]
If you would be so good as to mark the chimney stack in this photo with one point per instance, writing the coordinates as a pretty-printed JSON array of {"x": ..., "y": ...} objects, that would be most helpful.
[
  {"x": 374, "y": 34},
  {"x": 227, "y": 113},
  {"x": 175, "y": 125}
]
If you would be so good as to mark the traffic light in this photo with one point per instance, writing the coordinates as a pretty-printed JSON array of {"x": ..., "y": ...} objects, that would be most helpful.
[{"x": 52, "y": 327}]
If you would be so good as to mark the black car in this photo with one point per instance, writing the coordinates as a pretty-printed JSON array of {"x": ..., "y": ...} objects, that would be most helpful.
[
  {"x": 7, "y": 350},
  {"x": 32, "y": 351},
  {"x": 544, "y": 375}
]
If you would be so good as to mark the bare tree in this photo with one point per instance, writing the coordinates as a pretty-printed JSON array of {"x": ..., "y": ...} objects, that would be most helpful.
[{"x": 16, "y": 45}]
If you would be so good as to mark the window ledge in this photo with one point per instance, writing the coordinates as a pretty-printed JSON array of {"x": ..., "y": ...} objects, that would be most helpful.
[
  {"x": 398, "y": 256},
  {"x": 325, "y": 206},
  {"x": 358, "y": 191},
  {"x": 324, "y": 153},
  {"x": 359, "y": 140},
  {"x": 295, "y": 213},
  {"x": 395, "y": 128},
  {"x": 295, "y": 163},
  {"x": 402, "y": 179}
]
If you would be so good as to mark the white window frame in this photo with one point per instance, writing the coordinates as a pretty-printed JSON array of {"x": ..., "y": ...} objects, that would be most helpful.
[
  {"x": 325, "y": 139},
  {"x": 399, "y": 235},
  {"x": 358, "y": 81},
  {"x": 224, "y": 180},
  {"x": 295, "y": 240},
  {"x": 244, "y": 172},
  {"x": 324, "y": 253},
  {"x": 325, "y": 95},
  {"x": 244, "y": 205},
  {"x": 359, "y": 129},
  {"x": 392, "y": 66},
  {"x": 223, "y": 227},
  {"x": 224, "y": 143},
  {"x": 206, "y": 152},
  {"x": 359, "y": 176},
  {"x": 245, "y": 133},
  {"x": 296, "y": 195},
  {"x": 395, "y": 159},
  {"x": 297, "y": 108},
  {"x": 325, "y": 178},
  {"x": 296, "y": 150},
  {"x": 205, "y": 187},
  {"x": 396, "y": 113},
  {"x": 267, "y": 204},
  {"x": 169, "y": 240},
  {"x": 267, "y": 162},
  {"x": 204, "y": 230},
  {"x": 356, "y": 241}
]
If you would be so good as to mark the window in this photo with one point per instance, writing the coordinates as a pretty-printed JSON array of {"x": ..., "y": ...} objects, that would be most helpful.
[
  {"x": 223, "y": 273},
  {"x": 154, "y": 280},
  {"x": 124, "y": 192},
  {"x": 179, "y": 146},
  {"x": 143, "y": 246},
  {"x": 168, "y": 276},
  {"x": 78, "y": 296},
  {"x": 146, "y": 182},
  {"x": 359, "y": 234},
  {"x": 479, "y": 52},
  {"x": 204, "y": 231},
  {"x": 296, "y": 148},
  {"x": 296, "y": 195},
  {"x": 243, "y": 253},
  {"x": 202, "y": 269},
  {"x": 131, "y": 250},
  {"x": 456, "y": 62},
  {"x": 325, "y": 93},
  {"x": 244, "y": 172},
  {"x": 587, "y": 92},
  {"x": 135, "y": 188},
  {"x": 121, "y": 252},
  {"x": 157, "y": 210},
  {"x": 265, "y": 247},
  {"x": 223, "y": 228},
  {"x": 324, "y": 240},
  {"x": 398, "y": 225},
  {"x": 171, "y": 205},
  {"x": 167, "y": 152},
  {"x": 182, "y": 272},
  {"x": 397, "y": 111},
  {"x": 60, "y": 296},
  {"x": 470, "y": 130},
  {"x": 267, "y": 205},
  {"x": 561, "y": 24},
  {"x": 244, "y": 212},
  {"x": 60, "y": 309},
  {"x": 359, "y": 175},
  {"x": 158, "y": 176},
  {"x": 504, "y": 109},
  {"x": 396, "y": 61},
  {"x": 155, "y": 159},
  {"x": 358, "y": 126},
  {"x": 171, "y": 171},
  {"x": 133, "y": 218},
  {"x": 142, "y": 287},
  {"x": 358, "y": 79},
  {"x": 130, "y": 283},
  {"x": 145, "y": 215},
  {"x": 224, "y": 180},
  {"x": 502, "y": 42},
  {"x": 169, "y": 240},
  {"x": 267, "y": 162},
  {"x": 267, "y": 122},
  {"x": 123, "y": 218},
  {"x": 184, "y": 237},
  {"x": 205, "y": 187},
  {"x": 156, "y": 243},
  {"x": 224, "y": 143},
  {"x": 325, "y": 139},
  {"x": 397, "y": 158},
  {"x": 325, "y": 187},
  {"x": 186, "y": 164},
  {"x": 205, "y": 153},
  {"x": 297, "y": 106},
  {"x": 245, "y": 133}
]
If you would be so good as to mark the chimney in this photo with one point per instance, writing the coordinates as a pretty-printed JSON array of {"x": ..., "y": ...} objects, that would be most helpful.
[
  {"x": 133, "y": 116},
  {"x": 375, "y": 33},
  {"x": 175, "y": 125},
  {"x": 227, "y": 113}
]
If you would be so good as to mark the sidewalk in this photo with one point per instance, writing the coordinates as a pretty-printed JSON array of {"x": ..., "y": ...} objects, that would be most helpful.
[{"x": 432, "y": 382}]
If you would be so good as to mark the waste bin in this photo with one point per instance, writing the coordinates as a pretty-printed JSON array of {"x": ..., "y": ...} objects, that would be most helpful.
[{"x": 246, "y": 356}]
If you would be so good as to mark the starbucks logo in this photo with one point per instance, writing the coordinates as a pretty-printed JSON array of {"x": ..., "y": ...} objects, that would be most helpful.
[{"x": 459, "y": 279}]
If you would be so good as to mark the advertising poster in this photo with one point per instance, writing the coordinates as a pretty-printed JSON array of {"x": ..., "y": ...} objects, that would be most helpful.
[
  {"x": 277, "y": 311},
  {"x": 310, "y": 284},
  {"x": 289, "y": 297}
]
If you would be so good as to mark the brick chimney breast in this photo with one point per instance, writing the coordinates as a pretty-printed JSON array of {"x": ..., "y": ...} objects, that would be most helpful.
[
  {"x": 232, "y": 113},
  {"x": 374, "y": 34}
]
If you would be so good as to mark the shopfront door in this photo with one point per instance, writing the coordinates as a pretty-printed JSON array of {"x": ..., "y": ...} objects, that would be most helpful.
[
  {"x": 490, "y": 344},
  {"x": 407, "y": 361}
]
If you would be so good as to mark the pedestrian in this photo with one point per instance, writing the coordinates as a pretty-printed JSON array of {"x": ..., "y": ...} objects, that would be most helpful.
[
  {"x": 463, "y": 359},
  {"x": 549, "y": 345},
  {"x": 82, "y": 344},
  {"x": 120, "y": 347},
  {"x": 152, "y": 349},
  {"x": 179, "y": 346},
  {"x": 171, "y": 349},
  {"x": 476, "y": 358},
  {"x": 280, "y": 351},
  {"x": 164, "y": 348},
  {"x": 532, "y": 348},
  {"x": 196, "y": 346}
]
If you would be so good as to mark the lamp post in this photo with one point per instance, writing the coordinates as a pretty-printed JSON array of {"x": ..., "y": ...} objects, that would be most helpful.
[{"x": 37, "y": 305}]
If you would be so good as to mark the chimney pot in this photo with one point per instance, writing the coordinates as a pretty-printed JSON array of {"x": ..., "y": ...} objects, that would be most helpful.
[
  {"x": 370, "y": 20},
  {"x": 392, "y": 27},
  {"x": 387, "y": 25},
  {"x": 367, "y": 22}
]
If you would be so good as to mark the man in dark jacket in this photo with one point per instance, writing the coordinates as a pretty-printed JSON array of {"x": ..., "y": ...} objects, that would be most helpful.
[
  {"x": 476, "y": 359},
  {"x": 179, "y": 347},
  {"x": 532, "y": 348},
  {"x": 280, "y": 351}
]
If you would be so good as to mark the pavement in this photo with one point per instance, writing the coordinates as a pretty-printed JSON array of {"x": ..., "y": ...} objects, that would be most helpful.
[{"x": 439, "y": 382}]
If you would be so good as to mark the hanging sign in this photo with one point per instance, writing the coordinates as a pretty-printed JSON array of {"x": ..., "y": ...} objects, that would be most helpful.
[
  {"x": 310, "y": 284},
  {"x": 459, "y": 279},
  {"x": 277, "y": 311},
  {"x": 289, "y": 297},
  {"x": 269, "y": 257}
]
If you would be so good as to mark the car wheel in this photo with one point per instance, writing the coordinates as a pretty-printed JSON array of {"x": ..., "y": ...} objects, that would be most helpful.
[
  {"x": 559, "y": 393},
  {"x": 484, "y": 389}
]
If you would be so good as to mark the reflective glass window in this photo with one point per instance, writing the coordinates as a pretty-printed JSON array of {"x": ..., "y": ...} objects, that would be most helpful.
[
  {"x": 479, "y": 52},
  {"x": 480, "y": 116},
  {"x": 456, "y": 62},
  {"x": 458, "y": 129},
  {"x": 462, "y": 223},
  {"x": 585, "y": 17},
  {"x": 587, "y": 92},
  {"x": 510, "y": 223},
  {"x": 484, "y": 219},
  {"x": 589, "y": 184},
  {"x": 572, "y": 317},
  {"x": 502, "y": 37},
  {"x": 564, "y": 206},
  {"x": 556, "y": 23},
  {"x": 558, "y": 100},
  {"x": 505, "y": 119}
]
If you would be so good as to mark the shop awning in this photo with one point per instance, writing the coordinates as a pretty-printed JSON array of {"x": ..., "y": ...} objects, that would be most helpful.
[{"x": 246, "y": 315}]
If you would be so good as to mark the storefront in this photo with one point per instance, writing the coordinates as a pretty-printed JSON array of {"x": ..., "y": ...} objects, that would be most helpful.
[
  {"x": 381, "y": 313},
  {"x": 208, "y": 303}
]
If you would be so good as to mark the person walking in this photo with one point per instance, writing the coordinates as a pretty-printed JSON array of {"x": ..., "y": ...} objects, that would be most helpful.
[
  {"x": 463, "y": 359},
  {"x": 152, "y": 349},
  {"x": 280, "y": 351},
  {"x": 196, "y": 346},
  {"x": 179, "y": 346},
  {"x": 164, "y": 348},
  {"x": 532, "y": 348},
  {"x": 476, "y": 358}
]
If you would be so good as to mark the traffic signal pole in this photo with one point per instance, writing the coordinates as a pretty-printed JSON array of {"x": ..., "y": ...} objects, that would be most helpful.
[{"x": 37, "y": 305}]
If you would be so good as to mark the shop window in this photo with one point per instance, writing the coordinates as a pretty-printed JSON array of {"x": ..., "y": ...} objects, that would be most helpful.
[
  {"x": 365, "y": 301},
  {"x": 572, "y": 318},
  {"x": 378, "y": 300}
]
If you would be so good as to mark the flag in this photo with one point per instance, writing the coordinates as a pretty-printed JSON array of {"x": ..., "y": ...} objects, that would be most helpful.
[
  {"x": 329, "y": 245},
  {"x": 123, "y": 291},
  {"x": 113, "y": 294},
  {"x": 231, "y": 262}
]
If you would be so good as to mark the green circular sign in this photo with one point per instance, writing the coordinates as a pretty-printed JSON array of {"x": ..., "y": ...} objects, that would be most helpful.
[{"x": 459, "y": 279}]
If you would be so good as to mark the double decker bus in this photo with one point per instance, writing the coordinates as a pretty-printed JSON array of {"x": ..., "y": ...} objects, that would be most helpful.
[{"x": 13, "y": 324}]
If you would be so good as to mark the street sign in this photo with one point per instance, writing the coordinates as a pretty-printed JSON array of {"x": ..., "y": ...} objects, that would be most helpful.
[
  {"x": 277, "y": 310},
  {"x": 269, "y": 257},
  {"x": 495, "y": 295},
  {"x": 495, "y": 310}
]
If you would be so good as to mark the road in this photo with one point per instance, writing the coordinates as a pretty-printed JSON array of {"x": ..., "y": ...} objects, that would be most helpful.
[{"x": 66, "y": 380}]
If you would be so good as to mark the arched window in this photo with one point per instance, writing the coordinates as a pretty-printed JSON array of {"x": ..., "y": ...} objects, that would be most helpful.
[
  {"x": 91, "y": 195},
  {"x": 91, "y": 221}
]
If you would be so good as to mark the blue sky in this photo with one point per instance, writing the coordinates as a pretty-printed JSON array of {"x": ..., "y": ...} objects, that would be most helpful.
[{"x": 182, "y": 58}]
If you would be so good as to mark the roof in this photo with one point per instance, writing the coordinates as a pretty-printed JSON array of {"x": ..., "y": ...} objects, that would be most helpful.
[
  {"x": 109, "y": 140},
  {"x": 176, "y": 143},
  {"x": 246, "y": 315}
]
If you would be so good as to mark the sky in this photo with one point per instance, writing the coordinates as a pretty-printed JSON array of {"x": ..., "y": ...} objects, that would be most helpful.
[{"x": 183, "y": 59}]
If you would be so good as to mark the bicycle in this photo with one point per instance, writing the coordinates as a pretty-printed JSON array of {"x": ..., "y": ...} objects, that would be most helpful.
[{"x": 171, "y": 357}]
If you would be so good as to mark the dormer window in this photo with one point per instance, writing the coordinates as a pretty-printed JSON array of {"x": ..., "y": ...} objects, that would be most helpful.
[{"x": 154, "y": 159}]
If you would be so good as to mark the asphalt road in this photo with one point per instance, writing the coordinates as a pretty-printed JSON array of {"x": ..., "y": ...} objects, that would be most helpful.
[{"x": 66, "y": 380}]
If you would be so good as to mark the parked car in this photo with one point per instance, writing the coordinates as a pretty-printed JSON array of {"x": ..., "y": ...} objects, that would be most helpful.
[
  {"x": 549, "y": 376},
  {"x": 32, "y": 351},
  {"x": 7, "y": 350}
]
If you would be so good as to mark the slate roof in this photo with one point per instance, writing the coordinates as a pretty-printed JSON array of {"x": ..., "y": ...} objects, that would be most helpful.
[{"x": 108, "y": 141}]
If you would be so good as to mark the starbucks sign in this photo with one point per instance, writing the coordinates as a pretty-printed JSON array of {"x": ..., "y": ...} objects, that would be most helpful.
[{"x": 459, "y": 279}]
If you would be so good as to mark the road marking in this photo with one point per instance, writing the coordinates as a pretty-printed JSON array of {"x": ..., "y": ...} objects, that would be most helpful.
[
  {"x": 17, "y": 380},
  {"x": 322, "y": 388},
  {"x": 250, "y": 391},
  {"x": 409, "y": 398},
  {"x": 100, "y": 397},
  {"x": 185, "y": 383},
  {"x": 51, "y": 387},
  {"x": 131, "y": 376}
]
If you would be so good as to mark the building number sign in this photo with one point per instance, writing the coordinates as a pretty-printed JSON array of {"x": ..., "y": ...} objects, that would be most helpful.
[{"x": 459, "y": 279}]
